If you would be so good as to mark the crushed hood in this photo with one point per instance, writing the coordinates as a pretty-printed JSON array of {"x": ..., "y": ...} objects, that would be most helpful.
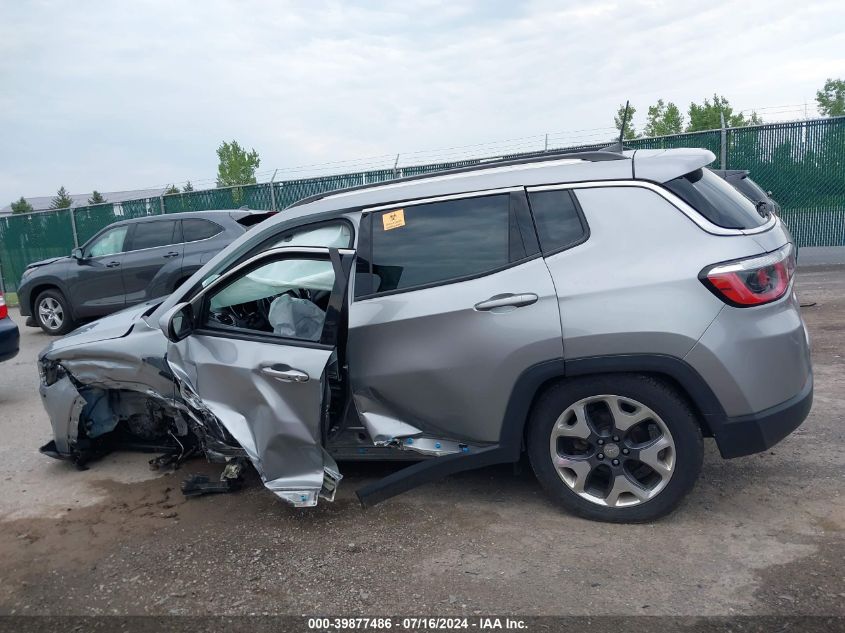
[
  {"x": 44, "y": 262},
  {"x": 113, "y": 326}
]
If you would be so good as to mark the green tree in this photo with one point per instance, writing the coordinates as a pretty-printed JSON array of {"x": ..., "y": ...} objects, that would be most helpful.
[
  {"x": 62, "y": 199},
  {"x": 188, "y": 187},
  {"x": 171, "y": 189},
  {"x": 96, "y": 198},
  {"x": 706, "y": 115},
  {"x": 831, "y": 98},
  {"x": 630, "y": 132},
  {"x": 236, "y": 166},
  {"x": 663, "y": 119},
  {"x": 21, "y": 206}
]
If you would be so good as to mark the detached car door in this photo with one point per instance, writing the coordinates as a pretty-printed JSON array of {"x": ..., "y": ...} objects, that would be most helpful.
[{"x": 257, "y": 351}]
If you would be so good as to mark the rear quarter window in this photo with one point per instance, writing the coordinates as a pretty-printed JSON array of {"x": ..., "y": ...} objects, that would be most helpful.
[
  {"x": 559, "y": 224},
  {"x": 196, "y": 229},
  {"x": 716, "y": 200}
]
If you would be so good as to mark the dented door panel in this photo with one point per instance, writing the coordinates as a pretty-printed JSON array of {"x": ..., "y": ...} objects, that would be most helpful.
[
  {"x": 277, "y": 423},
  {"x": 427, "y": 361}
]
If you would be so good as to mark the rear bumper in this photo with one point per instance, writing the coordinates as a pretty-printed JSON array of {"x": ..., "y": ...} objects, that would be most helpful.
[
  {"x": 748, "y": 434},
  {"x": 9, "y": 339}
]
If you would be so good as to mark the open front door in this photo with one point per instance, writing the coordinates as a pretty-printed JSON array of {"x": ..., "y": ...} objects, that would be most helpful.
[{"x": 256, "y": 349}]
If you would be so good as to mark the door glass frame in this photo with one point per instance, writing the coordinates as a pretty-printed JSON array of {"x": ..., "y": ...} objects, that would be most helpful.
[
  {"x": 341, "y": 260},
  {"x": 523, "y": 217}
]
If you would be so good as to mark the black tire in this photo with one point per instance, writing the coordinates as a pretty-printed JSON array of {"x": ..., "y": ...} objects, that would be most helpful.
[
  {"x": 662, "y": 399},
  {"x": 53, "y": 326}
]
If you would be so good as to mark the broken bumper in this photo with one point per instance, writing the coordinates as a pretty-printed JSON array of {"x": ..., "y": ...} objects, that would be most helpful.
[{"x": 64, "y": 405}]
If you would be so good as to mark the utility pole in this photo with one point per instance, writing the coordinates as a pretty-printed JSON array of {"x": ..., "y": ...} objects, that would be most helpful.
[
  {"x": 273, "y": 192},
  {"x": 395, "y": 163},
  {"x": 723, "y": 143},
  {"x": 73, "y": 227}
]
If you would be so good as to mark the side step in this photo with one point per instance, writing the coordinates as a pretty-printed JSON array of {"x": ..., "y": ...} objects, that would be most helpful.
[{"x": 430, "y": 470}]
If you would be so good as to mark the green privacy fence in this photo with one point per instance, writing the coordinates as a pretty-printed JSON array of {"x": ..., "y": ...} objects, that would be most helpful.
[{"x": 802, "y": 163}]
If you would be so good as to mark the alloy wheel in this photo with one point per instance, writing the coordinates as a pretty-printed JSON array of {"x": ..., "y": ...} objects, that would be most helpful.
[
  {"x": 51, "y": 313},
  {"x": 612, "y": 450}
]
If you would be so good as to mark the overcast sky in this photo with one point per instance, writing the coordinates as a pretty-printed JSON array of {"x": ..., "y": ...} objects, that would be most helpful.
[{"x": 128, "y": 95}]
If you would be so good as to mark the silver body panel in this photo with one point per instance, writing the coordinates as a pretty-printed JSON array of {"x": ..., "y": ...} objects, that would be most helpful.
[
  {"x": 642, "y": 299},
  {"x": 426, "y": 361},
  {"x": 754, "y": 358}
]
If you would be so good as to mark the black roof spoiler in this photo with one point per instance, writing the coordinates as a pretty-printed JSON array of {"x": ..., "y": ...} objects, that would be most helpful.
[{"x": 590, "y": 156}]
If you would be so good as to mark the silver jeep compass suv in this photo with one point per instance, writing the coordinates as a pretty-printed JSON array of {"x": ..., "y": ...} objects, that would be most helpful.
[{"x": 602, "y": 312}]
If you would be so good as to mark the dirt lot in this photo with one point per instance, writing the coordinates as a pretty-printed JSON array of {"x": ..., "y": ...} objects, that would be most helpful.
[{"x": 759, "y": 535}]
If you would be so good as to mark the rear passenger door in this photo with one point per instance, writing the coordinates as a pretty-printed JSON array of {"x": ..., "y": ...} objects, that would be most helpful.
[
  {"x": 452, "y": 303},
  {"x": 154, "y": 261}
]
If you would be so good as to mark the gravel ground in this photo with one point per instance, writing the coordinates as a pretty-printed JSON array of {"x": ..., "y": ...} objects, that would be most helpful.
[{"x": 763, "y": 534}]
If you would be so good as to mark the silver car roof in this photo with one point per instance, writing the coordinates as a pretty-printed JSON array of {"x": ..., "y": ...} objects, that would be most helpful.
[{"x": 655, "y": 165}]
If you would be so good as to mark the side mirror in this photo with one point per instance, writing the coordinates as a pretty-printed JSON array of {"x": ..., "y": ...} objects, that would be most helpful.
[
  {"x": 76, "y": 253},
  {"x": 178, "y": 322}
]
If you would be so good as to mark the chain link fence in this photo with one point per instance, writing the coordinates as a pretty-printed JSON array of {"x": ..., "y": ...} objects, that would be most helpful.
[{"x": 802, "y": 163}]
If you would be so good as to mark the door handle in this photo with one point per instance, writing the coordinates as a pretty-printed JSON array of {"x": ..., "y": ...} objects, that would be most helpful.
[
  {"x": 112, "y": 264},
  {"x": 507, "y": 300},
  {"x": 171, "y": 254},
  {"x": 285, "y": 373}
]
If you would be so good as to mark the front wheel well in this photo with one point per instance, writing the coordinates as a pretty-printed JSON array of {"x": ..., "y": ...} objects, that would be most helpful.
[{"x": 37, "y": 290}]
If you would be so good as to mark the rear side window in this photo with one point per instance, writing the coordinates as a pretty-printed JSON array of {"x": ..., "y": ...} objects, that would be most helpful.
[
  {"x": 559, "y": 225},
  {"x": 716, "y": 200},
  {"x": 196, "y": 229},
  {"x": 426, "y": 244},
  {"x": 153, "y": 234},
  {"x": 751, "y": 190}
]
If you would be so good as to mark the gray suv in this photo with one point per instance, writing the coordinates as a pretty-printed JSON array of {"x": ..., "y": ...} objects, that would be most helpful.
[
  {"x": 128, "y": 262},
  {"x": 600, "y": 312}
]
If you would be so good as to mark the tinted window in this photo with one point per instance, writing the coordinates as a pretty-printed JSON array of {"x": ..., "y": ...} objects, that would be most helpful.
[
  {"x": 430, "y": 243},
  {"x": 716, "y": 200},
  {"x": 196, "y": 229},
  {"x": 557, "y": 219},
  {"x": 152, "y": 234},
  {"x": 109, "y": 243},
  {"x": 751, "y": 189}
]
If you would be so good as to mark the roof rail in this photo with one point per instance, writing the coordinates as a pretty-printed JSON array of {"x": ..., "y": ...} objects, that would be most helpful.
[{"x": 590, "y": 156}]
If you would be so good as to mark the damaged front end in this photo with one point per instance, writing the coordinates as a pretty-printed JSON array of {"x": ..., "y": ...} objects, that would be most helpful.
[{"x": 109, "y": 386}]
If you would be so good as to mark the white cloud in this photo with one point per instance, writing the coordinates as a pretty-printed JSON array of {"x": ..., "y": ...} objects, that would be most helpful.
[{"x": 118, "y": 96}]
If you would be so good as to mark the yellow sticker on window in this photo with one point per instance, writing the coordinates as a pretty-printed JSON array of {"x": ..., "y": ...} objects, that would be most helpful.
[{"x": 393, "y": 219}]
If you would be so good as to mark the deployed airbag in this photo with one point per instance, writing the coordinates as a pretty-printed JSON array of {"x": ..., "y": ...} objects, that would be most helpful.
[{"x": 296, "y": 318}]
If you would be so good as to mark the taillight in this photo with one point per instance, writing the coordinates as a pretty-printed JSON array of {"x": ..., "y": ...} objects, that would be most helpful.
[
  {"x": 4, "y": 311},
  {"x": 753, "y": 281}
]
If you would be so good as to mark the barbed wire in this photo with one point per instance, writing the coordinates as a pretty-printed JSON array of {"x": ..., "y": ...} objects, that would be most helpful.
[{"x": 512, "y": 145}]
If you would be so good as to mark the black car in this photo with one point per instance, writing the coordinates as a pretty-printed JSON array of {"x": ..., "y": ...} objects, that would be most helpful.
[
  {"x": 741, "y": 181},
  {"x": 126, "y": 263},
  {"x": 9, "y": 335}
]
